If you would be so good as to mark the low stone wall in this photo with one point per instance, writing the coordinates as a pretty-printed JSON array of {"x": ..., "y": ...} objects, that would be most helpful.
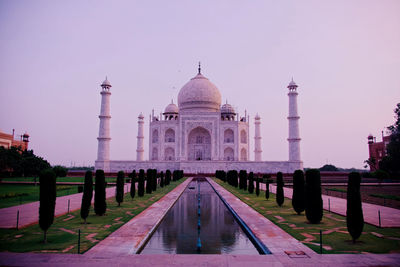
[{"x": 194, "y": 167}]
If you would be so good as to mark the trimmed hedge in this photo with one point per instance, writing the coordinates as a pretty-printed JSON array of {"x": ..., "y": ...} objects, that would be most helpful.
[
  {"x": 141, "y": 183},
  {"x": 119, "y": 194},
  {"x": 87, "y": 195},
  {"x": 354, "y": 213},
  {"x": 313, "y": 199},
  {"x": 100, "y": 204},
  {"x": 298, "y": 198},
  {"x": 47, "y": 200}
]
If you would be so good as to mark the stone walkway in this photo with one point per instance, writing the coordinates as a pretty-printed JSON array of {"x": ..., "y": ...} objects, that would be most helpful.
[
  {"x": 130, "y": 237},
  {"x": 29, "y": 213},
  {"x": 389, "y": 217},
  {"x": 36, "y": 259}
]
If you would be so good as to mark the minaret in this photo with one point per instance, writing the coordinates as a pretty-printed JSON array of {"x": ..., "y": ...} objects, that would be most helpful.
[
  {"x": 257, "y": 139},
  {"x": 140, "y": 139},
  {"x": 294, "y": 135},
  {"x": 103, "y": 150}
]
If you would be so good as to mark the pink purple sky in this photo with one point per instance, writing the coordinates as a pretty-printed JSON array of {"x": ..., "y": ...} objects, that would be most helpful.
[{"x": 344, "y": 55}]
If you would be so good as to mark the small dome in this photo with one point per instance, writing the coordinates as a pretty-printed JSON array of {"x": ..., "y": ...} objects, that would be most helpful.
[
  {"x": 257, "y": 117},
  {"x": 106, "y": 83},
  {"x": 227, "y": 109},
  {"x": 171, "y": 108},
  {"x": 141, "y": 116},
  {"x": 199, "y": 94}
]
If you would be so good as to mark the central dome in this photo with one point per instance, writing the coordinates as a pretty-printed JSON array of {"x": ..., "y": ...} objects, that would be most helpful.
[{"x": 199, "y": 94}]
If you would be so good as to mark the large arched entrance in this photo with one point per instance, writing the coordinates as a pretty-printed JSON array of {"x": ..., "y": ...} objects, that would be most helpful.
[{"x": 199, "y": 144}]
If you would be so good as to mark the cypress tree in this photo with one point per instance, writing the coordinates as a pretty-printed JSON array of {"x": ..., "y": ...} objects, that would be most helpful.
[
  {"x": 235, "y": 178},
  {"x": 267, "y": 189},
  {"x": 167, "y": 177},
  {"x": 242, "y": 179},
  {"x": 280, "y": 198},
  {"x": 314, "y": 208},
  {"x": 133, "y": 182},
  {"x": 154, "y": 179},
  {"x": 298, "y": 198},
  {"x": 354, "y": 213},
  {"x": 251, "y": 182},
  {"x": 141, "y": 183},
  {"x": 100, "y": 204},
  {"x": 161, "y": 179},
  {"x": 87, "y": 195},
  {"x": 47, "y": 200},
  {"x": 257, "y": 186},
  {"x": 148, "y": 181},
  {"x": 119, "y": 194}
]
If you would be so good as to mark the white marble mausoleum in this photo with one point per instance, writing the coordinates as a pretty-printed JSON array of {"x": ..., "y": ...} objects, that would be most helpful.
[{"x": 199, "y": 135}]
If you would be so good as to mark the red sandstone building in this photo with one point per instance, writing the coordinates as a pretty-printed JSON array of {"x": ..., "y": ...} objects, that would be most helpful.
[
  {"x": 377, "y": 150},
  {"x": 8, "y": 140}
]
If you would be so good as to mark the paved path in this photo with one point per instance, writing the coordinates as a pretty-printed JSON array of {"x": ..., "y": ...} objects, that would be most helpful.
[
  {"x": 29, "y": 213},
  {"x": 389, "y": 217},
  {"x": 130, "y": 237},
  {"x": 44, "y": 260}
]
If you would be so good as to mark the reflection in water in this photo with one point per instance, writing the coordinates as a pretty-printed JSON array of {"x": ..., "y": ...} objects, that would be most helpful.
[{"x": 219, "y": 232}]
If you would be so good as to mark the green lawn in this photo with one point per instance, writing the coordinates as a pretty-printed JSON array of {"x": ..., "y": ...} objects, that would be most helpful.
[
  {"x": 59, "y": 179},
  {"x": 63, "y": 234},
  {"x": 335, "y": 236},
  {"x": 11, "y": 194}
]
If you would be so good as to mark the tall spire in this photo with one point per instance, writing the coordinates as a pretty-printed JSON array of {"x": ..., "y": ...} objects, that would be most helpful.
[{"x": 199, "y": 68}]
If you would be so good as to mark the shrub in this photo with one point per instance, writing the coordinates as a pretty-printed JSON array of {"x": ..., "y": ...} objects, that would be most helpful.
[
  {"x": 257, "y": 186},
  {"x": 243, "y": 179},
  {"x": 149, "y": 181},
  {"x": 100, "y": 204},
  {"x": 251, "y": 182},
  {"x": 141, "y": 183},
  {"x": 298, "y": 198},
  {"x": 280, "y": 198},
  {"x": 314, "y": 208},
  {"x": 354, "y": 213},
  {"x": 60, "y": 171},
  {"x": 47, "y": 200},
  {"x": 119, "y": 195},
  {"x": 87, "y": 195},
  {"x": 161, "y": 179},
  {"x": 133, "y": 182}
]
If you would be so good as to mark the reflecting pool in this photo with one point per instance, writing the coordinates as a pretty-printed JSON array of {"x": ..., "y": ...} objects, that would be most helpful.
[{"x": 199, "y": 225}]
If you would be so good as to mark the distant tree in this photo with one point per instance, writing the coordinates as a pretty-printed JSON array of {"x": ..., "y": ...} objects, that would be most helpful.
[
  {"x": 371, "y": 162},
  {"x": 167, "y": 177},
  {"x": 391, "y": 162},
  {"x": 161, "y": 179},
  {"x": 354, "y": 213},
  {"x": 251, "y": 183},
  {"x": 298, "y": 198},
  {"x": 280, "y": 198},
  {"x": 47, "y": 200},
  {"x": 141, "y": 183},
  {"x": 87, "y": 195},
  {"x": 60, "y": 171},
  {"x": 314, "y": 207},
  {"x": 149, "y": 181},
  {"x": 119, "y": 194},
  {"x": 100, "y": 205},
  {"x": 328, "y": 168},
  {"x": 133, "y": 182},
  {"x": 257, "y": 186}
]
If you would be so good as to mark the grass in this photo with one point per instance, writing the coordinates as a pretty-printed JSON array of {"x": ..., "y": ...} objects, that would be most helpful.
[
  {"x": 11, "y": 194},
  {"x": 59, "y": 179},
  {"x": 63, "y": 234},
  {"x": 385, "y": 196},
  {"x": 336, "y": 239},
  {"x": 336, "y": 189}
]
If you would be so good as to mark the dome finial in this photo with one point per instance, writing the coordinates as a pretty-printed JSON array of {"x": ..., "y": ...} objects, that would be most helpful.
[{"x": 199, "y": 68}]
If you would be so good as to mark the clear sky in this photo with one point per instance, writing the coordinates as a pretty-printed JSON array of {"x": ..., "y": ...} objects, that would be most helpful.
[{"x": 344, "y": 55}]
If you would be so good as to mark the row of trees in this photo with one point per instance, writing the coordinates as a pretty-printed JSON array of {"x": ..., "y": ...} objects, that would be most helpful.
[
  {"x": 307, "y": 195},
  {"x": 47, "y": 191}
]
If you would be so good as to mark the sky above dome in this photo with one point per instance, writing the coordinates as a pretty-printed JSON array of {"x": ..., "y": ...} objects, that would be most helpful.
[{"x": 344, "y": 56}]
